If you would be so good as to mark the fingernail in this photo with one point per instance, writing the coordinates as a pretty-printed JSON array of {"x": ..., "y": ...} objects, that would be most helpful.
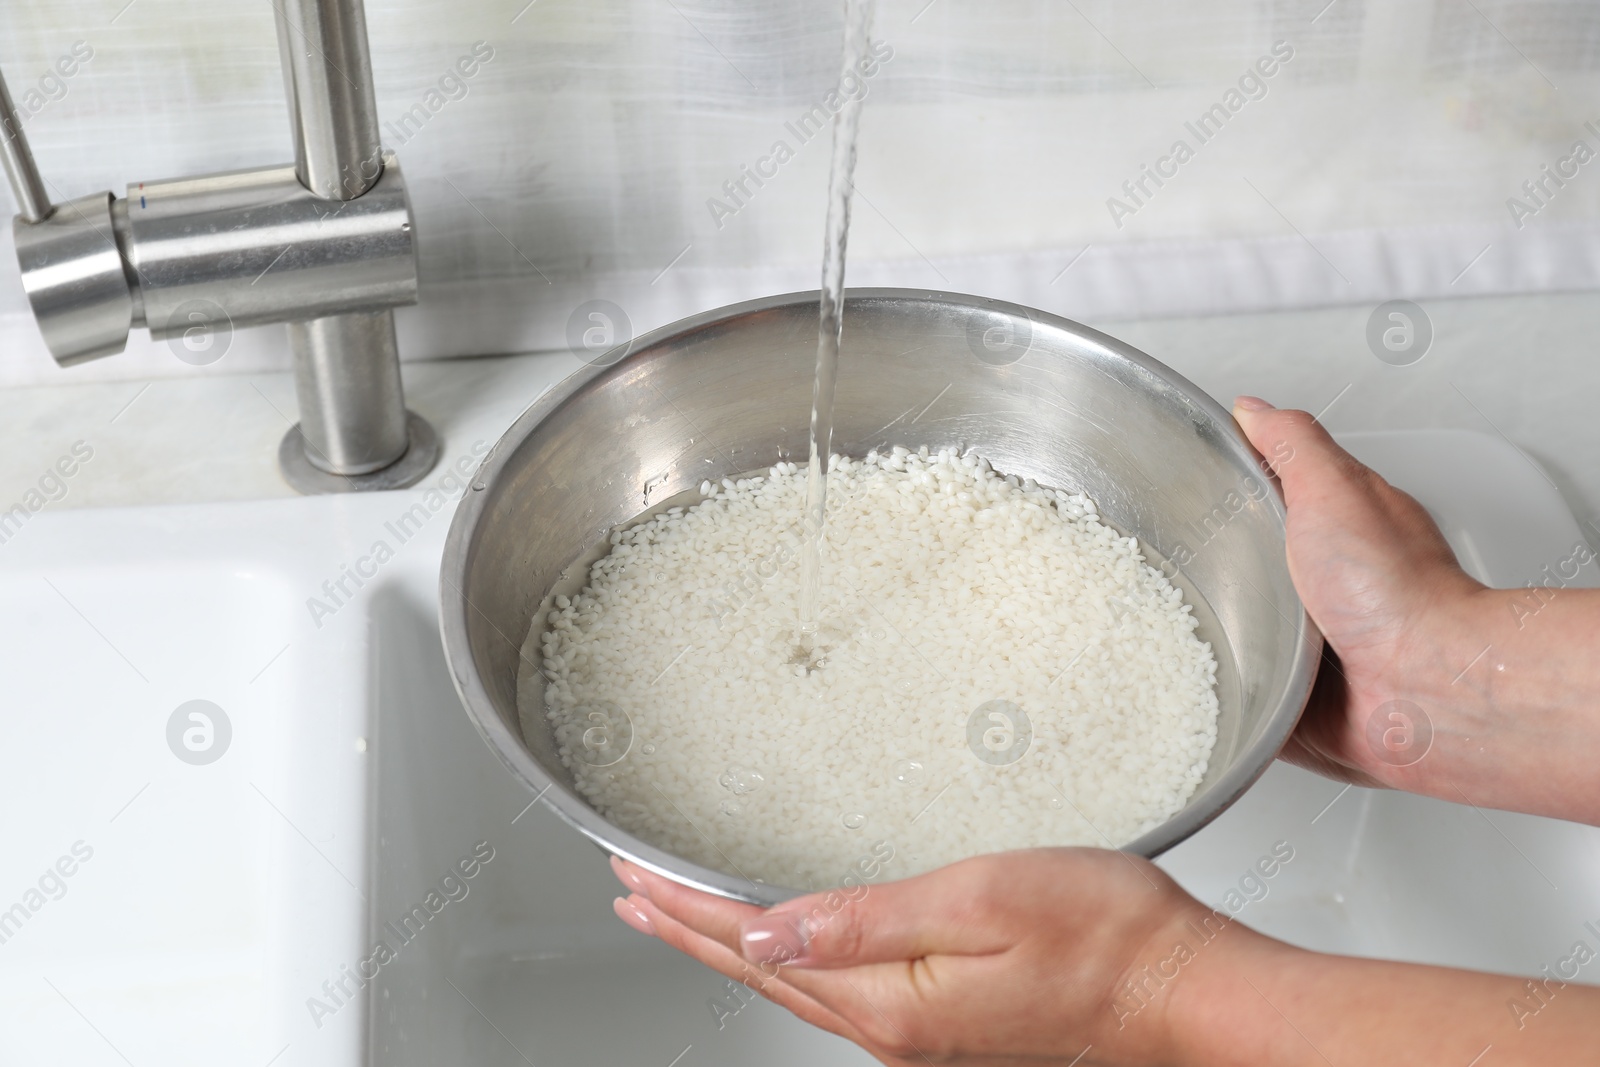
[
  {"x": 1252, "y": 403},
  {"x": 633, "y": 915},
  {"x": 773, "y": 939},
  {"x": 628, "y": 877}
]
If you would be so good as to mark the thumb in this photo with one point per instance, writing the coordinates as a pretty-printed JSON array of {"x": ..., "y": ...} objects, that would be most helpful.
[
  {"x": 931, "y": 914},
  {"x": 1300, "y": 452}
]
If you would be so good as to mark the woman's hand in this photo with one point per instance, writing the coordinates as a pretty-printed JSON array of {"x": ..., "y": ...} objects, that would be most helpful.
[
  {"x": 1037, "y": 956},
  {"x": 1431, "y": 683},
  {"x": 1075, "y": 957},
  {"x": 1380, "y": 582}
]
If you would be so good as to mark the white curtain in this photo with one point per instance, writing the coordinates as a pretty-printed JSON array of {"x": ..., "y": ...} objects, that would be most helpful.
[{"x": 1342, "y": 152}]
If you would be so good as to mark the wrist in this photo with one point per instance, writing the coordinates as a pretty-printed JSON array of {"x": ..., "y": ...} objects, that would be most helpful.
[
  {"x": 1409, "y": 708},
  {"x": 1221, "y": 1015},
  {"x": 1509, "y": 703},
  {"x": 1449, "y": 720}
]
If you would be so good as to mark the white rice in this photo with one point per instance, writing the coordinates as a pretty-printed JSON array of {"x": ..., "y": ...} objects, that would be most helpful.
[{"x": 671, "y": 684}]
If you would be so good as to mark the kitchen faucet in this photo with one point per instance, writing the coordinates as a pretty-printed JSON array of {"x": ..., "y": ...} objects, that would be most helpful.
[{"x": 325, "y": 245}]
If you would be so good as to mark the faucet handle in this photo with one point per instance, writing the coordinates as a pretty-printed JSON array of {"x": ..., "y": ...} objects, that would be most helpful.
[
  {"x": 70, "y": 254},
  {"x": 27, "y": 184}
]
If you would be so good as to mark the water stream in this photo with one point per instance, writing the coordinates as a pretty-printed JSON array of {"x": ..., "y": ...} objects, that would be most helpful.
[{"x": 830, "y": 328}]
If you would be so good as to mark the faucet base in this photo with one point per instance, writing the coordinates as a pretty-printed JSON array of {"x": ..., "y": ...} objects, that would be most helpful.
[{"x": 422, "y": 451}]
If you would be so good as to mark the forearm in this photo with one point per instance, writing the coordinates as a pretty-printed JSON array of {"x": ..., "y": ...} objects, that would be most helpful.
[
  {"x": 1514, "y": 705},
  {"x": 1267, "y": 1002}
]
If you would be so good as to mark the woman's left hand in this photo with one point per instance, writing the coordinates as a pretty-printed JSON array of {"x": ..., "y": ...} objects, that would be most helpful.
[{"x": 1005, "y": 958}]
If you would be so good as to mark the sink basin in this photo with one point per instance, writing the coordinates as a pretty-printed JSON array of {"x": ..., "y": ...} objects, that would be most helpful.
[{"x": 225, "y": 903}]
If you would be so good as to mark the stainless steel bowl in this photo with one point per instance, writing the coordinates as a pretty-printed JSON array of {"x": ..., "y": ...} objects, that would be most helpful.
[{"x": 1037, "y": 395}]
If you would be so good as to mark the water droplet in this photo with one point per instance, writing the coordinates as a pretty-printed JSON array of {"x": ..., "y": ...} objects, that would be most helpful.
[
  {"x": 853, "y": 820},
  {"x": 730, "y": 807},
  {"x": 1055, "y": 802},
  {"x": 741, "y": 781},
  {"x": 649, "y": 750},
  {"x": 909, "y": 772}
]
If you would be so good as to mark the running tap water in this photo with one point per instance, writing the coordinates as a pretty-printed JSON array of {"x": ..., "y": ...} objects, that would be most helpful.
[{"x": 830, "y": 328}]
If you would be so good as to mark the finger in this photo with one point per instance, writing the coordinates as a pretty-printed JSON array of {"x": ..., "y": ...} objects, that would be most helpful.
[
  {"x": 941, "y": 912},
  {"x": 711, "y": 916},
  {"x": 1297, "y": 447},
  {"x": 721, "y": 921},
  {"x": 1331, "y": 493},
  {"x": 719, "y": 957},
  {"x": 630, "y": 913}
]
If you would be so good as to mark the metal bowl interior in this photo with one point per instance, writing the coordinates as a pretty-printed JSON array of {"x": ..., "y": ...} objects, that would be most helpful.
[{"x": 729, "y": 392}]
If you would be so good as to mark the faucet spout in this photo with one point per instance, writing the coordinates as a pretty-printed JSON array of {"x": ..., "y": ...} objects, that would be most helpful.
[{"x": 327, "y": 73}]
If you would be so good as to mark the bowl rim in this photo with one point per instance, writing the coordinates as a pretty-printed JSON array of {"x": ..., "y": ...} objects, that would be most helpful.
[{"x": 454, "y": 607}]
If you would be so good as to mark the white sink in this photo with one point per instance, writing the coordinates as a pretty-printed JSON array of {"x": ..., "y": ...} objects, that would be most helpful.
[{"x": 221, "y": 897}]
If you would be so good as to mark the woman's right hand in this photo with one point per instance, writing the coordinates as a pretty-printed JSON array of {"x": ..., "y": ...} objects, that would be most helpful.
[
  {"x": 1376, "y": 576},
  {"x": 1431, "y": 682}
]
